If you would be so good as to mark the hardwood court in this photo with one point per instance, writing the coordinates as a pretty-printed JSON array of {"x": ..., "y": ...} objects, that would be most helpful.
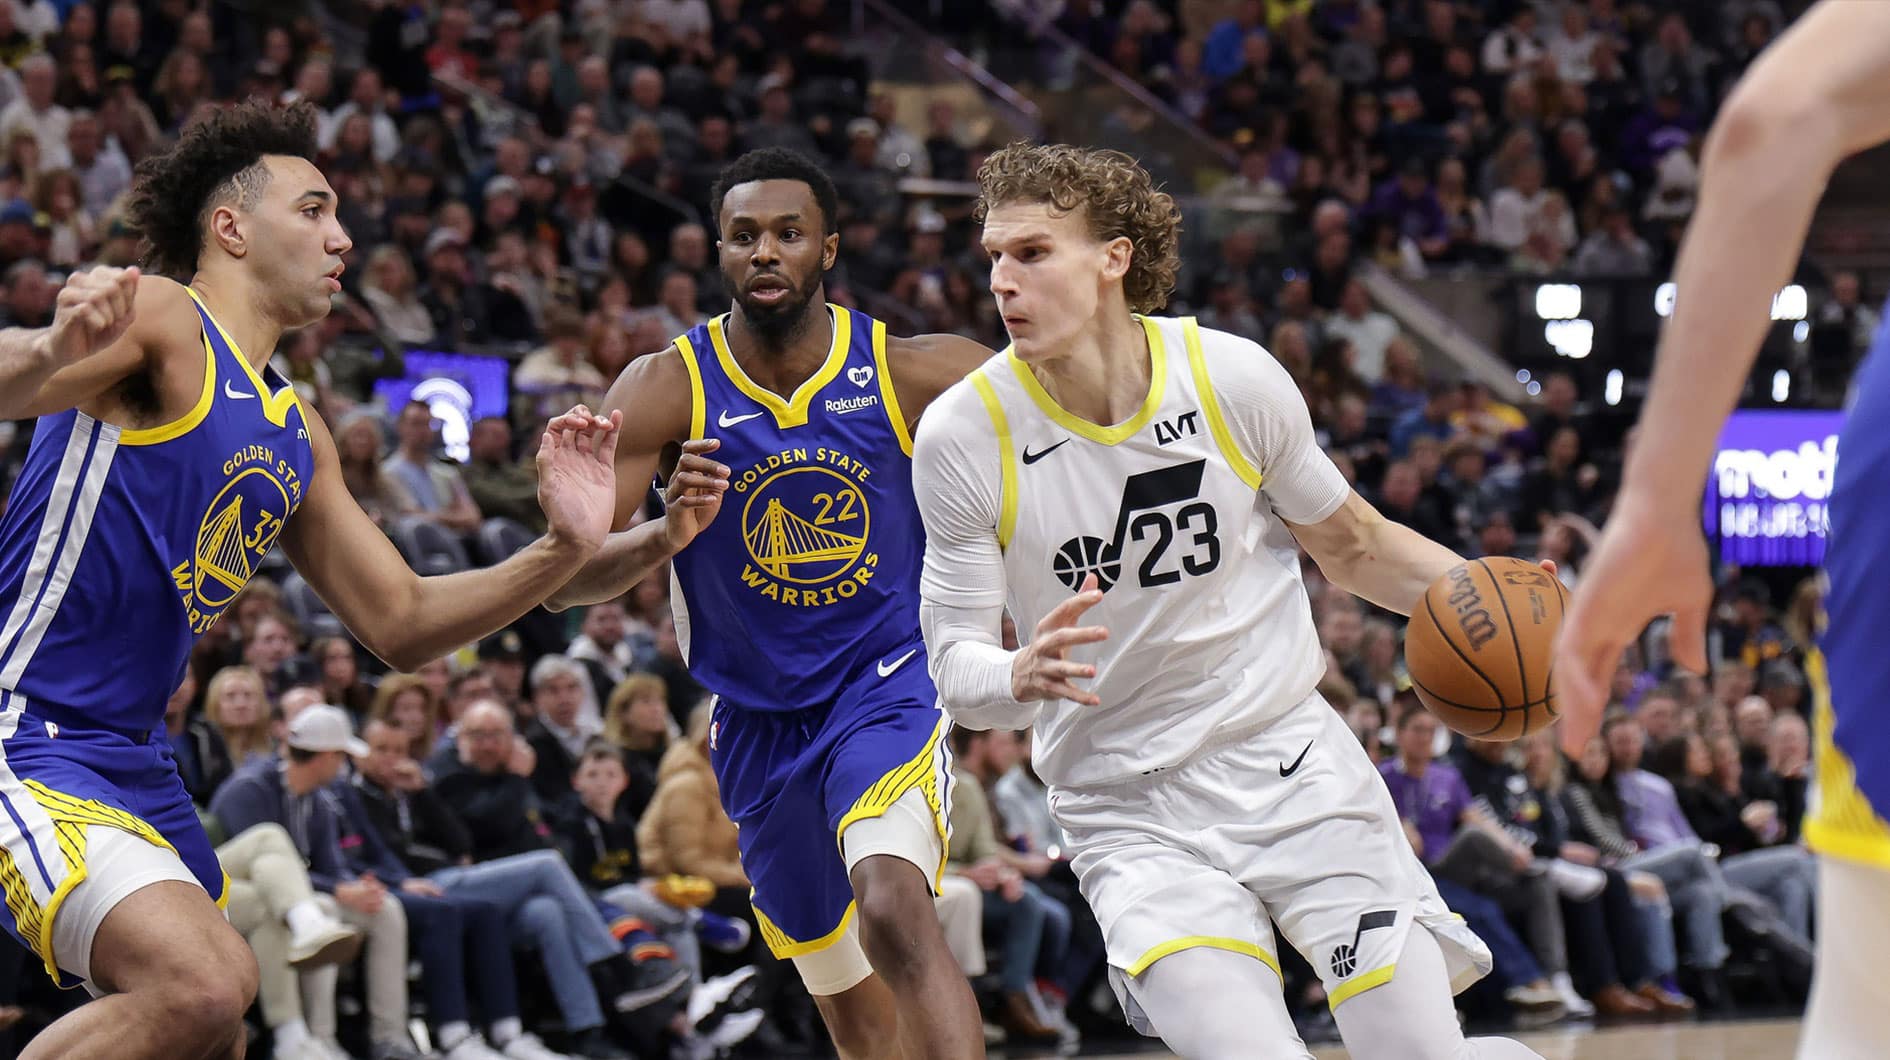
[{"x": 1745, "y": 1040}]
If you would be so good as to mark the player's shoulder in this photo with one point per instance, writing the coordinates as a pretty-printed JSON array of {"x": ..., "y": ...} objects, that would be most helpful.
[
  {"x": 925, "y": 366},
  {"x": 165, "y": 309},
  {"x": 1237, "y": 362},
  {"x": 656, "y": 393},
  {"x": 958, "y": 416}
]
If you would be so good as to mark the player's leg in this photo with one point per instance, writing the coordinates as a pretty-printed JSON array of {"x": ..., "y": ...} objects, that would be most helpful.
[
  {"x": 904, "y": 941},
  {"x": 1410, "y": 1016},
  {"x": 1215, "y": 1004},
  {"x": 1847, "y": 1019},
  {"x": 177, "y": 977}
]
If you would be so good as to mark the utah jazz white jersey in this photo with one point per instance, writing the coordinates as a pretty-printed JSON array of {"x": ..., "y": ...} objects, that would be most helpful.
[{"x": 1177, "y": 511}]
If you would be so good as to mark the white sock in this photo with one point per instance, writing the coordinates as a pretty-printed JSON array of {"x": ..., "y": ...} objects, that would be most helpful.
[
  {"x": 305, "y": 916},
  {"x": 503, "y": 1031},
  {"x": 451, "y": 1034},
  {"x": 289, "y": 1035}
]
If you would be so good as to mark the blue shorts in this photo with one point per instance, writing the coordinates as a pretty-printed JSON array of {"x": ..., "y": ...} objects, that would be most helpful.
[
  {"x": 793, "y": 781},
  {"x": 58, "y": 780}
]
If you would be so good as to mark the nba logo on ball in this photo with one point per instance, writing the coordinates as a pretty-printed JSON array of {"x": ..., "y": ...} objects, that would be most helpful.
[{"x": 1479, "y": 645}]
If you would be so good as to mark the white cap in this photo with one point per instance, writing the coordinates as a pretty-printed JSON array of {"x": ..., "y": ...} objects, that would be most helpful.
[{"x": 325, "y": 728}]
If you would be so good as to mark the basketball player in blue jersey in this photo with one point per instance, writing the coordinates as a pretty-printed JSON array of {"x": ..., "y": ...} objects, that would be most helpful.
[
  {"x": 798, "y": 605},
  {"x": 1816, "y": 96},
  {"x": 169, "y": 458}
]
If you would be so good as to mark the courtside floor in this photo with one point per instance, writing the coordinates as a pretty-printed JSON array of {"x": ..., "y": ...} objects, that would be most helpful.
[{"x": 1744, "y": 1040}]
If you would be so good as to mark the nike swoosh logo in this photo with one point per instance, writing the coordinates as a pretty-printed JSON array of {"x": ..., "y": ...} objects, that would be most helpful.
[
  {"x": 886, "y": 669},
  {"x": 726, "y": 420},
  {"x": 1287, "y": 771},
  {"x": 1031, "y": 458},
  {"x": 231, "y": 392}
]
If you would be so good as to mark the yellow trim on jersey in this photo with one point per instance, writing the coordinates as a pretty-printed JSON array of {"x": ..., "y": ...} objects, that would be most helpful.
[
  {"x": 696, "y": 400},
  {"x": 1358, "y": 984},
  {"x": 1007, "y": 459},
  {"x": 1157, "y": 383},
  {"x": 1840, "y": 822},
  {"x": 70, "y": 818},
  {"x": 897, "y": 417},
  {"x": 926, "y": 771},
  {"x": 783, "y": 945},
  {"x": 1217, "y": 422},
  {"x": 1213, "y": 942},
  {"x": 188, "y": 422},
  {"x": 275, "y": 403},
  {"x": 793, "y": 411}
]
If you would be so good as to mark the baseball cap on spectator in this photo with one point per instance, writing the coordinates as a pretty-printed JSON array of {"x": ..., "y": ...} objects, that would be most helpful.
[
  {"x": 501, "y": 185},
  {"x": 441, "y": 240},
  {"x": 324, "y": 728},
  {"x": 19, "y": 211},
  {"x": 770, "y": 83},
  {"x": 507, "y": 19},
  {"x": 862, "y": 127},
  {"x": 505, "y": 644},
  {"x": 927, "y": 220}
]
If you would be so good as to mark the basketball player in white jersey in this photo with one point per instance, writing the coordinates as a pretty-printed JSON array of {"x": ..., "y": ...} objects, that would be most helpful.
[
  {"x": 1203, "y": 783},
  {"x": 1818, "y": 94}
]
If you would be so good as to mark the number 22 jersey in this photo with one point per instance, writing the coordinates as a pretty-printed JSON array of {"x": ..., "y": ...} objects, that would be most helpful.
[{"x": 1177, "y": 511}]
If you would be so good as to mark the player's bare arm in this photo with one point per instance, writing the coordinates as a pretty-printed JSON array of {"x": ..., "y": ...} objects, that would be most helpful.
[
  {"x": 1812, "y": 98},
  {"x": 408, "y": 620},
  {"x": 924, "y": 366},
  {"x": 108, "y": 325},
  {"x": 654, "y": 398},
  {"x": 1368, "y": 555}
]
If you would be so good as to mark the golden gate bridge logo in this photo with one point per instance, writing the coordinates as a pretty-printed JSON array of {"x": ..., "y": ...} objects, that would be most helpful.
[
  {"x": 806, "y": 525},
  {"x": 237, "y": 530}
]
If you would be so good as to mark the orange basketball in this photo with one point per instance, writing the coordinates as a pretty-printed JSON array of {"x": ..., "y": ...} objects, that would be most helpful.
[{"x": 1480, "y": 646}]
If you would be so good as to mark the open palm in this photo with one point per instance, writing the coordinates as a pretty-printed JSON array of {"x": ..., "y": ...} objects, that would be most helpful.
[{"x": 577, "y": 478}]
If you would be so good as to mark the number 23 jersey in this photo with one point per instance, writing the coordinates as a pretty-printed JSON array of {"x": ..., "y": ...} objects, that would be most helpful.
[{"x": 1177, "y": 511}]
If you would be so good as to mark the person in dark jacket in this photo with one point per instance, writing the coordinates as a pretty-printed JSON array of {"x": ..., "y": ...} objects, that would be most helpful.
[{"x": 203, "y": 760}]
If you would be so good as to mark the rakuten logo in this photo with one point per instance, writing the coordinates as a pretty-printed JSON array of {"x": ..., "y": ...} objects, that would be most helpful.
[{"x": 1784, "y": 474}]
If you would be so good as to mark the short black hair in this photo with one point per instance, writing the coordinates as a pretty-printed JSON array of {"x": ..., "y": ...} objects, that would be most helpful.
[
  {"x": 214, "y": 161},
  {"x": 778, "y": 163}
]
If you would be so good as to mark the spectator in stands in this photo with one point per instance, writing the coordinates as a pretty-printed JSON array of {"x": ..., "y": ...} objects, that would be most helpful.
[
  {"x": 36, "y": 112},
  {"x": 1368, "y": 329},
  {"x": 358, "y": 445},
  {"x": 1515, "y": 46},
  {"x": 1560, "y": 483},
  {"x": 501, "y": 486},
  {"x": 391, "y": 291},
  {"x": 340, "y": 674},
  {"x": 561, "y": 364},
  {"x": 288, "y": 792},
  {"x": 560, "y": 729},
  {"x": 637, "y": 723},
  {"x": 1614, "y": 249},
  {"x": 203, "y": 762},
  {"x": 435, "y": 486},
  {"x": 1442, "y": 400},
  {"x": 685, "y": 829},
  {"x": 237, "y": 706},
  {"x": 1033, "y": 928},
  {"x": 405, "y": 702},
  {"x": 104, "y": 172}
]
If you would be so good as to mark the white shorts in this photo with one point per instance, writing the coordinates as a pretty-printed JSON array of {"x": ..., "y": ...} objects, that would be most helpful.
[
  {"x": 907, "y": 830},
  {"x": 118, "y": 864},
  {"x": 1292, "y": 825}
]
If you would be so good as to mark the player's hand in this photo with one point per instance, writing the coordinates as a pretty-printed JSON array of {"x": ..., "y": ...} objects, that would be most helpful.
[
  {"x": 694, "y": 492},
  {"x": 423, "y": 887},
  {"x": 1650, "y": 561},
  {"x": 1041, "y": 669},
  {"x": 577, "y": 477},
  {"x": 93, "y": 309}
]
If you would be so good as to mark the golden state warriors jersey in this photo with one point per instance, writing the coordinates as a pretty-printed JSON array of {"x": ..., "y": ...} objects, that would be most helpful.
[
  {"x": 809, "y": 573},
  {"x": 1850, "y": 792},
  {"x": 120, "y": 547}
]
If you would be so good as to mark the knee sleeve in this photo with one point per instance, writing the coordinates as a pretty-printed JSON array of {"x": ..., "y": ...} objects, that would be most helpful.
[
  {"x": 1212, "y": 1004},
  {"x": 1411, "y": 1016}
]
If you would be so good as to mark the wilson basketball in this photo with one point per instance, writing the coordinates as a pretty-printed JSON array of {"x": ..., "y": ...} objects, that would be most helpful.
[{"x": 1479, "y": 647}]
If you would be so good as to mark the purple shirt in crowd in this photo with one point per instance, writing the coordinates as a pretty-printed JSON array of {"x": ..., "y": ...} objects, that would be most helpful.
[
  {"x": 1651, "y": 812},
  {"x": 1434, "y": 801}
]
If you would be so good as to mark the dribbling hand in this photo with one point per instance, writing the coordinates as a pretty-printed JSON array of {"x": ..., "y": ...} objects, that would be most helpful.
[
  {"x": 694, "y": 492},
  {"x": 93, "y": 309},
  {"x": 1041, "y": 669}
]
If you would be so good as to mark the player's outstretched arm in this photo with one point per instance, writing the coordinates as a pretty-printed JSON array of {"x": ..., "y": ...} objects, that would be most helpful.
[
  {"x": 1368, "y": 555},
  {"x": 1815, "y": 96},
  {"x": 91, "y": 344},
  {"x": 408, "y": 620},
  {"x": 653, "y": 395}
]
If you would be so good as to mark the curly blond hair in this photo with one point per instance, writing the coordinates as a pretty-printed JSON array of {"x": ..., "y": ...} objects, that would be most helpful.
[{"x": 1118, "y": 199}]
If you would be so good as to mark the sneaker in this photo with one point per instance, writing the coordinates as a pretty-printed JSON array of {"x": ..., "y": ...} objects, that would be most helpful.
[
  {"x": 473, "y": 1047},
  {"x": 1577, "y": 1005},
  {"x": 528, "y": 1047},
  {"x": 1577, "y": 883},
  {"x": 306, "y": 1049},
  {"x": 327, "y": 942},
  {"x": 395, "y": 1051},
  {"x": 331, "y": 1049},
  {"x": 722, "y": 992},
  {"x": 736, "y": 1029},
  {"x": 651, "y": 980},
  {"x": 726, "y": 934}
]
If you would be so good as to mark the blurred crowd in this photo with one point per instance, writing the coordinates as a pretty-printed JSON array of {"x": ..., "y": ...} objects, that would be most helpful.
[{"x": 529, "y": 180}]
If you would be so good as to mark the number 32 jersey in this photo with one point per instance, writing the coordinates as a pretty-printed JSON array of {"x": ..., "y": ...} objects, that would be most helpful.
[{"x": 1178, "y": 513}]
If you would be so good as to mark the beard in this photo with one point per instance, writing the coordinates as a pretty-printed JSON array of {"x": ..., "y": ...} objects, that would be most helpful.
[{"x": 781, "y": 321}]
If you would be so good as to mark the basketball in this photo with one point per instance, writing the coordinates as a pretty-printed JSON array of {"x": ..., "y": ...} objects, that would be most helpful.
[{"x": 1479, "y": 647}]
